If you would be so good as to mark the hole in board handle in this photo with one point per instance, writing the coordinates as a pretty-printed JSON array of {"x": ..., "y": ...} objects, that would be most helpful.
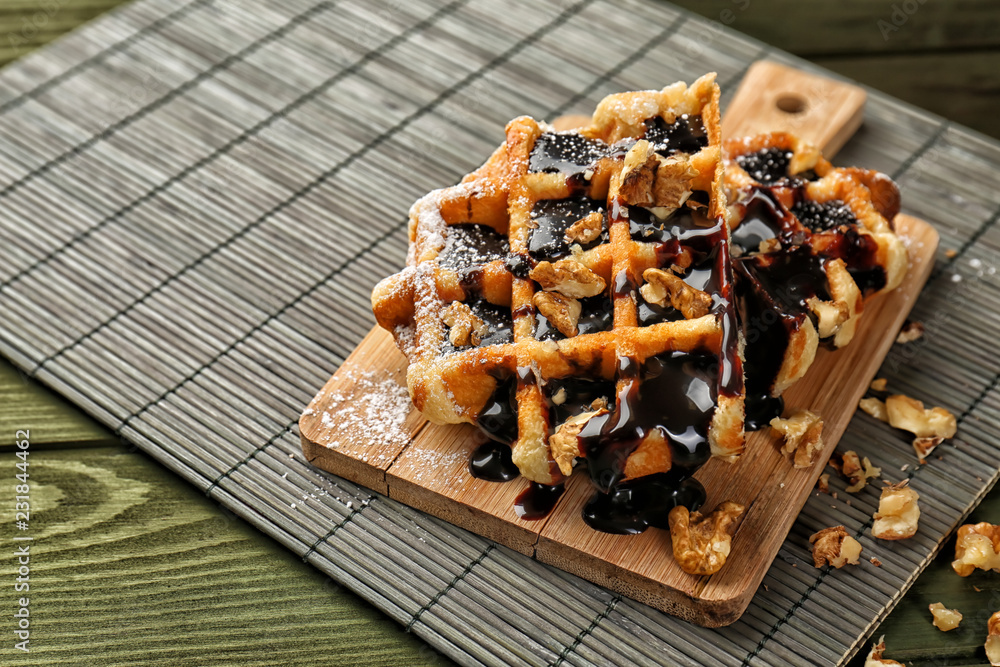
[{"x": 791, "y": 103}]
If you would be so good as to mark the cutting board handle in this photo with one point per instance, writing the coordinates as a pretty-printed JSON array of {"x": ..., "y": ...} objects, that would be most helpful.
[{"x": 777, "y": 98}]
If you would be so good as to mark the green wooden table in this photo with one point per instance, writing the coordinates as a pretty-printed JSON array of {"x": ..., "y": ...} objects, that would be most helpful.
[{"x": 133, "y": 566}]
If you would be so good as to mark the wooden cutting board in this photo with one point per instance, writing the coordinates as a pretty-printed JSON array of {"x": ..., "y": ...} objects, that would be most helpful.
[{"x": 425, "y": 465}]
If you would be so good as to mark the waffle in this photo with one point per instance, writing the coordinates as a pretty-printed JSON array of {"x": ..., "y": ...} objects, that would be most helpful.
[
  {"x": 811, "y": 242},
  {"x": 573, "y": 298}
]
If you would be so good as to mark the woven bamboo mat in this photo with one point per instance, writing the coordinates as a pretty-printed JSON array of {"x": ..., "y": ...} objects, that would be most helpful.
[{"x": 196, "y": 198}]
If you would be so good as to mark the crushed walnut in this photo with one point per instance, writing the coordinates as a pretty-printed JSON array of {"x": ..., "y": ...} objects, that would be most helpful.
[
  {"x": 875, "y": 658},
  {"x": 909, "y": 414},
  {"x": 466, "y": 327},
  {"x": 834, "y": 546},
  {"x": 648, "y": 179},
  {"x": 874, "y": 407},
  {"x": 565, "y": 443},
  {"x": 923, "y": 447},
  {"x": 568, "y": 277},
  {"x": 977, "y": 547},
  {"x": 823, "y": 483},
  {"x": 944, "y": 619},
  {"x": 992, "y": 644},
  {"x": 830, "y": 315},
  {"x": 586, "y": 229},
  {"x": 878, "y": 384},
  {"x": 664, "y": 288},
  {"x": 910, "y": 332},
  {"x": 562, "y": 312},
  {"x": 875, "y": 561},
  {"x": 898, "y": 513},
  {"x": 702, "y": 544},
  {"x": 803, "y": 434},
  {"x": 857, "y": 471}
]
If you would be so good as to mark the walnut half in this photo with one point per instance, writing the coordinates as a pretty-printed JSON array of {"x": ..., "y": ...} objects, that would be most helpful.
[
  {"x": 562, "y": 312},
  {"x": 978, "y": 546},
  {"x": 898, "y": 514},
  {"x": 834, "y": 546},
  {"x": 701, "y": 544},
  {"x": 993, "y": 640},
  {"x": 664, "y": 288},
  {"x": 803, "y": 433},
  {"x": 568, "y": 277},
  {"x": 466, "y": 327},
  {"x": 944, "y": 619},
  {"x": 855, "y": 470}
]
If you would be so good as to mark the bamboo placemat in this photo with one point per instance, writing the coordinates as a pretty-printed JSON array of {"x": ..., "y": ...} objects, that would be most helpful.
[{"x": 196, "y": 198}]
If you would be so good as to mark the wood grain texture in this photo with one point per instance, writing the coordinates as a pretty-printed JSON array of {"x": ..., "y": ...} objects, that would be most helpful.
[
  {"x": 132, "y": 566},
  {"x": 430, "y": 472}
]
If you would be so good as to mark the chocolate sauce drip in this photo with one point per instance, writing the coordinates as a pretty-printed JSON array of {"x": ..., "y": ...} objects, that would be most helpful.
[
  {"x": 860, "y": 254},
  {"x": 519, "y": 265},
  {"x": 595, "y": 316},
  {"x": 537, "y": 501},
  {"x": 685, "y": 135},
  {"x": 552, "y": 218},
  {"x": 822, "y": 216},
  {"x": 497, "y": 318},
  {"x": 492, "y": 461},
  {"x": 761, "y": 408},
  {"x": 651, "y": 313},
  {"x": 762, "y": 220},
  {"x": 498, "y": 418},
  {"x": 565, "y": 153},
  {"x": 471, "y": 245},
  {"x": 767, "y": 166},
  {"x": 633, "y": 506},
  {"x": 576, "y": 395},
  {"x": 684, "y": 225}
]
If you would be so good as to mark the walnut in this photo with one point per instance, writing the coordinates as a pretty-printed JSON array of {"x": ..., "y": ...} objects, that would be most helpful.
[
  {"x": 910, "y": 332},
  {"x": 875, "y": 561},
  {"x": 673, "y": 181},
  {"x": 944, "y": 619},
  {"x": 978, "y": 546},
  {"x": 898, "y": 513},
  {"x": 648, "y": 179},
  {"x": 857, "y": 471},
  {"x": 834, "y": 546},
  {"x": 875, "y": 408},
  {"x": 830, "y": 315},
  {"x": 803, "y": 433},
  {"x": 875, "y": 658},
  {"x": 701, "y": 544},
  {"x": 466, "y": 327},
  {"x": 565, "y": 443},
  {"x": 561, "y": 311},
  {"x": 823, "y": 483},
  {"x": 909, "y": 414},
  {"x": 992, "y": 644},
  {"x": 924, "y": 446},
  {"x": 586, "y": 229},
  {"x": 568, "y": 277},
  {"x": 664, "y": 288},
  {"x": 769, "y": 245},
  {"x": 878, "y": 384}
]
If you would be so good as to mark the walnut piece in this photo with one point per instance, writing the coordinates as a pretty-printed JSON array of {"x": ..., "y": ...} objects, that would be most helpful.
[
  {"x": 924, "y": 446},
  {"x": 565, "y": 443},
  {"x": 586, "y": 229},
  {"x": 830, "y": 315},
  {"x": 910, "y": 332},
  {"x": 673, "y": 181},
  {"x": 857, "y": 471},
  {"x": 898, "y": 513},
  {"x": 701, "y": 544},
  {"x": 568, "y": 277},
  {"x": 909, "y": 414},
  {"x": 978, "y": 546},
  {"x": 466, "y": 327},
  {"x": 875, "y": 408},
  {"x": 648, "y": 179},
  {"x": 562, "y": 312},
  {"x": 664, "y": 288},
  {"x": 878, "y": 384},
  {"x": 834, "y": 546},
  {"x": 803, "y": 433},
  {"x": 875, "y": 658},
  {"x": 992, "y": 644},
  {"x": 944, "y": 619},
  {"x": 823, "y": 483}
]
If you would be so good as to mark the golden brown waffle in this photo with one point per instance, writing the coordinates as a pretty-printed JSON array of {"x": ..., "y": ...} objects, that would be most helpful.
[
  {"x": 573, "y": 298},
  {"x": 810, "y": 243}
]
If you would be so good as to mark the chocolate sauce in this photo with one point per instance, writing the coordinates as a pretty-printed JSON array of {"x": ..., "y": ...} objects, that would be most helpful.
[
  {"x": 565, "y": 153},
  {"x": 537, "y": 501},
  {"x": 492, "y": 461},
  {"x": 519, "y": 265},
  {"x": 471, "y": 245},
  {"x": 497, "y": 319},
  {"x": 498, "y": 417},
  {"x": 595, "y": 316},
  {"x": 633, "y": 506},
  {"x": 552, "y": 218},
  {"x": 576, "y": 396},
  {"x": 686, "y": 134},
  {"x": 651, "y": 313},
  {"x": 681, "y": 226},
  {"x": 822, "y": 216},
  {"x": 761, "y": 408}
]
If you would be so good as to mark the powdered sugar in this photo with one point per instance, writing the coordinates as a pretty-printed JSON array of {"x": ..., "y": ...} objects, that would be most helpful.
[{"x": 373, "y": 414}]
